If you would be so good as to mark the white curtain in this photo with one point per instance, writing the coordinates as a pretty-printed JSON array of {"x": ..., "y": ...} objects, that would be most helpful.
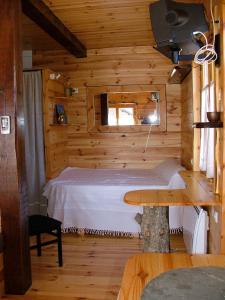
[
  {"x": 34, "y": 141},
  {"x": 207, "y": 149}
]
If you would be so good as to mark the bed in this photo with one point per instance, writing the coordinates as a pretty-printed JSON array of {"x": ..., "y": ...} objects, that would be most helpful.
[{"x": 91, "y": 200}]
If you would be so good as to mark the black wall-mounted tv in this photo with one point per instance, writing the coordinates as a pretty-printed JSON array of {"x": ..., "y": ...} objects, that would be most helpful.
[{"x": 173, "y": 25}]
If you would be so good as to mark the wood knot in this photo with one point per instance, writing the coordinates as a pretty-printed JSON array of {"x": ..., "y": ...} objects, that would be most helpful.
[{"x": 142, "y": 275}]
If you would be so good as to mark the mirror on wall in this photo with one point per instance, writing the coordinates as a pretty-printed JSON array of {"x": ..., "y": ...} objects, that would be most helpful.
[
  {"x": 133, "y": 108},
  {"x": 126, "y": 108}
]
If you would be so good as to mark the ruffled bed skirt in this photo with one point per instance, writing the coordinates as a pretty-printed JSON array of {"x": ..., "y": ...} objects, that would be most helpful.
[
  {"x": 109, "y": 233},
  {"x": 106, "y": 233}
]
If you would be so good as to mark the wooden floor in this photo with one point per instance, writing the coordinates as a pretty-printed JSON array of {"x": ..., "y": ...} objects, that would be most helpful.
[{"x": 93, "y": 268}]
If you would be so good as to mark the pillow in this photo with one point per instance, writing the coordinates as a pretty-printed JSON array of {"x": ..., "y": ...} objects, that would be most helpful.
[{"x": 167, "y": 169}]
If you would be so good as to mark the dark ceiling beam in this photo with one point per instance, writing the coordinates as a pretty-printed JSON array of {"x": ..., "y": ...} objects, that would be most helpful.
[{"x": 40, "y": 13}]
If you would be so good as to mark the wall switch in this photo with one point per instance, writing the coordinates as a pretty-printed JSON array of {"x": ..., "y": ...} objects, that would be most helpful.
[{"x": 5, "y": 124}]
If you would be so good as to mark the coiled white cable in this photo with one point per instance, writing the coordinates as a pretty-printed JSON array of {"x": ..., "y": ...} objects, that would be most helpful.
[{"x": 206, "y": 54}]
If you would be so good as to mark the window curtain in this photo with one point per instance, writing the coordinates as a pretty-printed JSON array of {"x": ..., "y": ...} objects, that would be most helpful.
[
  {"x": 207, "y": 149},
  {"x": 34, "y": 141}
]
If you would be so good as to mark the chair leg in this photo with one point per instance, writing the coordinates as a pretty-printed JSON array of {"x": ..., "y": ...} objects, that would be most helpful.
[
  {"x": 59, "y": 247},
  {"x": 39, "y": 244}
]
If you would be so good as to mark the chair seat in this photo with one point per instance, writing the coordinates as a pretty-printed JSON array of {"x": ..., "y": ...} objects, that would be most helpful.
[{"x": 42, "y": 224}]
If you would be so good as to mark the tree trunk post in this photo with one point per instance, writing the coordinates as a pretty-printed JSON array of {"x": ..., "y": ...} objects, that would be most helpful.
[{"x": 155, "y": 229}]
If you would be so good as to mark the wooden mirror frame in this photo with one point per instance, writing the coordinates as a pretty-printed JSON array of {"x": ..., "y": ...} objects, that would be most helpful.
[{"x": 93, "y": 91}]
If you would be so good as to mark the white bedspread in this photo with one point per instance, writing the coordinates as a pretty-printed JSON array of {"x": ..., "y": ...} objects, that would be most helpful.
[{"x": 93, "y": 198}]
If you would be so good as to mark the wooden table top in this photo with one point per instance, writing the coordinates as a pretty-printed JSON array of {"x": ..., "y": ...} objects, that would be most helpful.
[
  {"x": 197, "y": 193},
  {"x": 201, "y": 283},
  {"x": 142, "y": 268}
]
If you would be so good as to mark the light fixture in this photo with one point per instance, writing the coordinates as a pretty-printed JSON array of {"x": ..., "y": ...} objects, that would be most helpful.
[
  {"x": 153, "y": 118},
  {"x": 179, "y": 73}
]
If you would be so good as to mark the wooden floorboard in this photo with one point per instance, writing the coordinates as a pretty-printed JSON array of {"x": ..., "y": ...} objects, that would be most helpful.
[{"x": 92, "y": 270}]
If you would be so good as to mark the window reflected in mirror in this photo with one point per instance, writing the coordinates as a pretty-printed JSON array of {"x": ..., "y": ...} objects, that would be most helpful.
[
  {"x": 127, "y": 108},
  {"x": 121, "y": 115}
]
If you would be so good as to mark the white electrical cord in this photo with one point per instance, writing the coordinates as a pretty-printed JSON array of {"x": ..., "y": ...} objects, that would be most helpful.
[
  {"x": 146, "y": 145},
  {"x": 206, "y": 54}
]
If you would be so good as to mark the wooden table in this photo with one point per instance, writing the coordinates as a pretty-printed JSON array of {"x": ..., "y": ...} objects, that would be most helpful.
[
  {"x": 198, "y": 192},
  {"x": 142, "y": 268}
]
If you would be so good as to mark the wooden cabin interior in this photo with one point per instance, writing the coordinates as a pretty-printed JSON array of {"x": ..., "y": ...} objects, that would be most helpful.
[{"x": 69, "y": 69}]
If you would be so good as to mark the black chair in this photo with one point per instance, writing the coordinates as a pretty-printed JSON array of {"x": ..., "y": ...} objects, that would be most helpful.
[{"x": 39, "y": 224}]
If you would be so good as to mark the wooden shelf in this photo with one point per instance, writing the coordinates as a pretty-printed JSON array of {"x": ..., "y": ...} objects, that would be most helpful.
[
  {"x": 208, "y": 125},
  {"x": 58, "y": 124},
  {"x": 196, "y": 193},
  {"x": 64, "y": 98}
]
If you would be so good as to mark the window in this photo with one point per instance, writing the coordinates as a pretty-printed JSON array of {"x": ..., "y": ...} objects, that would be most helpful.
[{"x": 207, "y": 145}]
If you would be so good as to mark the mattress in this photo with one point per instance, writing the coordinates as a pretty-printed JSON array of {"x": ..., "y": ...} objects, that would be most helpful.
[{"x": 92, "y": 199}]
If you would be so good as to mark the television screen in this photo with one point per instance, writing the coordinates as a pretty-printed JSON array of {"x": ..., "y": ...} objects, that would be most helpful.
[{"x": 173, "y": 25}]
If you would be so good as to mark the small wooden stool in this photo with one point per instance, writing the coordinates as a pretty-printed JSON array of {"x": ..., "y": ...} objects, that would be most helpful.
[{"x": 39, "y": 224}]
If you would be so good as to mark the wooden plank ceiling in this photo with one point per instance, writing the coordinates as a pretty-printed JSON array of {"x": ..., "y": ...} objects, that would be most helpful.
[{"x": 96, "y": 23}]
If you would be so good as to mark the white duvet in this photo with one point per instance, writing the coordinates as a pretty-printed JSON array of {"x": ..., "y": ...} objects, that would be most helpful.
[{"x": 93, "y": 198}]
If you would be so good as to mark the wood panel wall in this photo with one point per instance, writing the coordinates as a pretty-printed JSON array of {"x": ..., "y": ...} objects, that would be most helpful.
[
  {"x": 115, "y": 66},
  {"x": 125, "y": 149},
  {"x": 55, "y": 135}
]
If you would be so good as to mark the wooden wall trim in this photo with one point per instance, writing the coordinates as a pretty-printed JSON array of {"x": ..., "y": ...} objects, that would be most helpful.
[
  {"x": 13, "y": 194},
  {"x": 196, "y": 79},
  {"x": 187, "y": 133}
]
